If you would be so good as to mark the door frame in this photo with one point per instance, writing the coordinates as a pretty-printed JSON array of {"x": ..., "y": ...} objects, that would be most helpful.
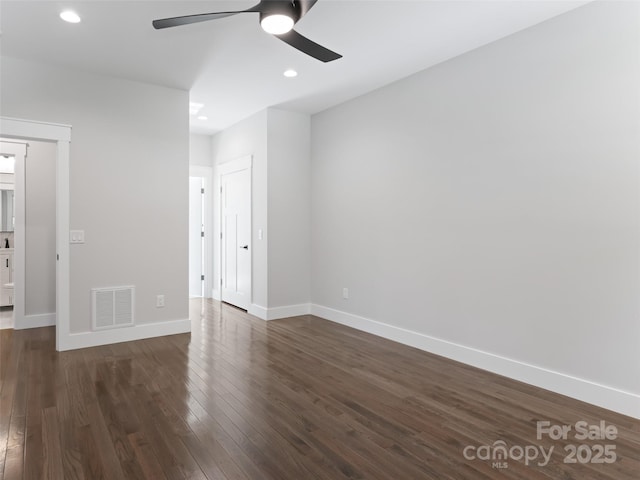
[
  {"x": 207, "y": 174},
  {"x": 20, "y": 129},
  {"x": 232, "y": 166}
]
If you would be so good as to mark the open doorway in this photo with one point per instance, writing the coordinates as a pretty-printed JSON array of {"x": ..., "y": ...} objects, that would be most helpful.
[
  {"x": 27, "y": 234},
  {"x": 59, "y": 136}
]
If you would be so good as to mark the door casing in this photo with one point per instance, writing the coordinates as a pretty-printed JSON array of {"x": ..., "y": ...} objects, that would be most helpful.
[{"x": 21, "y": 129}]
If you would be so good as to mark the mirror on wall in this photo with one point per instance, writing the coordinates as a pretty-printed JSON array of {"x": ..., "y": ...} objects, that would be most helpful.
[
  {"x": 8, "y": 211},
  {"x": 7, "y": 184}
]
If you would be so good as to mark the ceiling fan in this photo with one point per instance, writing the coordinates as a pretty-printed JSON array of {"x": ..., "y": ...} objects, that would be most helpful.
[{"x": 276, "y": 17}]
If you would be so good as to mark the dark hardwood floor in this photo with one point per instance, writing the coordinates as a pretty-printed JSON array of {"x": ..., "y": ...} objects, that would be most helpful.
[{"x": 299, "y": 398}]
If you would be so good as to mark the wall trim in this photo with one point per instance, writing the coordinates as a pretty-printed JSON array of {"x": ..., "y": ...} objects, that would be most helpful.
[
  {"x": 36, "y": 321},
  {"x": 258, "y": 311},
  {"x": 137, "y": 332},
  {"x": 6, "y": 322},
  {"x": 603, "y": 396},
  {"x": 215, "y": 294},
  {"x": 289, "y": 311},
  {"x": 276, "y": 313}
]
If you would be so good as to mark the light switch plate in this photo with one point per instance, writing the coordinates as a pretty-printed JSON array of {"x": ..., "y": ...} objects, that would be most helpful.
[{"x": 76, "y": 236}]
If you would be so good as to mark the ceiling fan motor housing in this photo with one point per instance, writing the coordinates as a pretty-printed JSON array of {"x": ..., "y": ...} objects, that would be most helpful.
[{"x": 277, "y": 7}]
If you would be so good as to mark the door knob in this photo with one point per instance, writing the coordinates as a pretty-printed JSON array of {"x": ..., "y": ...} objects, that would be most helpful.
[{"x": 246, "y": 247}]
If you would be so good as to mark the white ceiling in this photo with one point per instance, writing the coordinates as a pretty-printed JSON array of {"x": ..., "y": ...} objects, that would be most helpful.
[{"x": 235, "y": 69}]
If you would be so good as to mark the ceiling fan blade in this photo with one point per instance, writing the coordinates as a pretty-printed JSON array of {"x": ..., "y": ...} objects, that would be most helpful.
[
  {"x": 202, "y": 17},
  {"x": 305, "y": 6},
  {"x": 305, "y": 45}
]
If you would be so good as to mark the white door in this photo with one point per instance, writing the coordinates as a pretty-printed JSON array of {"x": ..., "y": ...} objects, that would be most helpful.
[
  {"x": 196, "y": 238},
  {"x": 235, "y": 202}
]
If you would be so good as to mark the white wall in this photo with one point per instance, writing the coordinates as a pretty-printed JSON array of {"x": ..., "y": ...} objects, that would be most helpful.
[
  {"x": 40, "y": 229},
  {"x": 130, "y": 142},
  {"x": 492, "y": 202},
  {"x": 248, "y": 137},
  {"x": 200, "y": 150},
  {"x": 289, "y": 207}
]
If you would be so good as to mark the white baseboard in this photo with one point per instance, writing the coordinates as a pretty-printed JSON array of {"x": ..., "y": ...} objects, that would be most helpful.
[
  {"x": 275, "y": 313},
  {"x": 116, "y": 335},
  {"x": 258, "y": 311},
  {"x": 610, "y": 398},
  {"x": 215, "y": 294},
  {"x": 6, "y": 323},
  {"x": 35, "y": 321}
]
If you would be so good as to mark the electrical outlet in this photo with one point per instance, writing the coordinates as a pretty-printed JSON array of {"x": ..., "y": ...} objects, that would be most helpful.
[
  {"x": 345, "y": 293},
  {"x": 160, "y": 301}
]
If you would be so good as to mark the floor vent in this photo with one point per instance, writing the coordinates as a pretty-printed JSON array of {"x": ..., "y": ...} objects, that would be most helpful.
[{"x": 112, "y": 307}]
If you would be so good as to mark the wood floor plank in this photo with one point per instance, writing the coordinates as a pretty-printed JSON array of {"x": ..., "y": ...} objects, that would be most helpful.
[
  {"x": 176, "y": 461},
  {"x": 297, "y": 398},
  {"x": 146, "y": 458},
  {"x": 52, "y": 455},
  {"x": 36, "y": 371},
  {"x": 8, "y": 380},
  {"x": 92, "y": 462},
  {"x": 13, "y": 392}
]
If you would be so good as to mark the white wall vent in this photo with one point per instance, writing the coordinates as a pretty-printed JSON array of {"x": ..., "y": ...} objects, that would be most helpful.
[{"x": 112, "y": 307}]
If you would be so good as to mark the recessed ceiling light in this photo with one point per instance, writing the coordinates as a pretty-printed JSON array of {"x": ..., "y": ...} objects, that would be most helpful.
[
  {"x": 290, "y": 73},
  {"x": 202, "y": 117},
  {"x": 70, "y": 16}
]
